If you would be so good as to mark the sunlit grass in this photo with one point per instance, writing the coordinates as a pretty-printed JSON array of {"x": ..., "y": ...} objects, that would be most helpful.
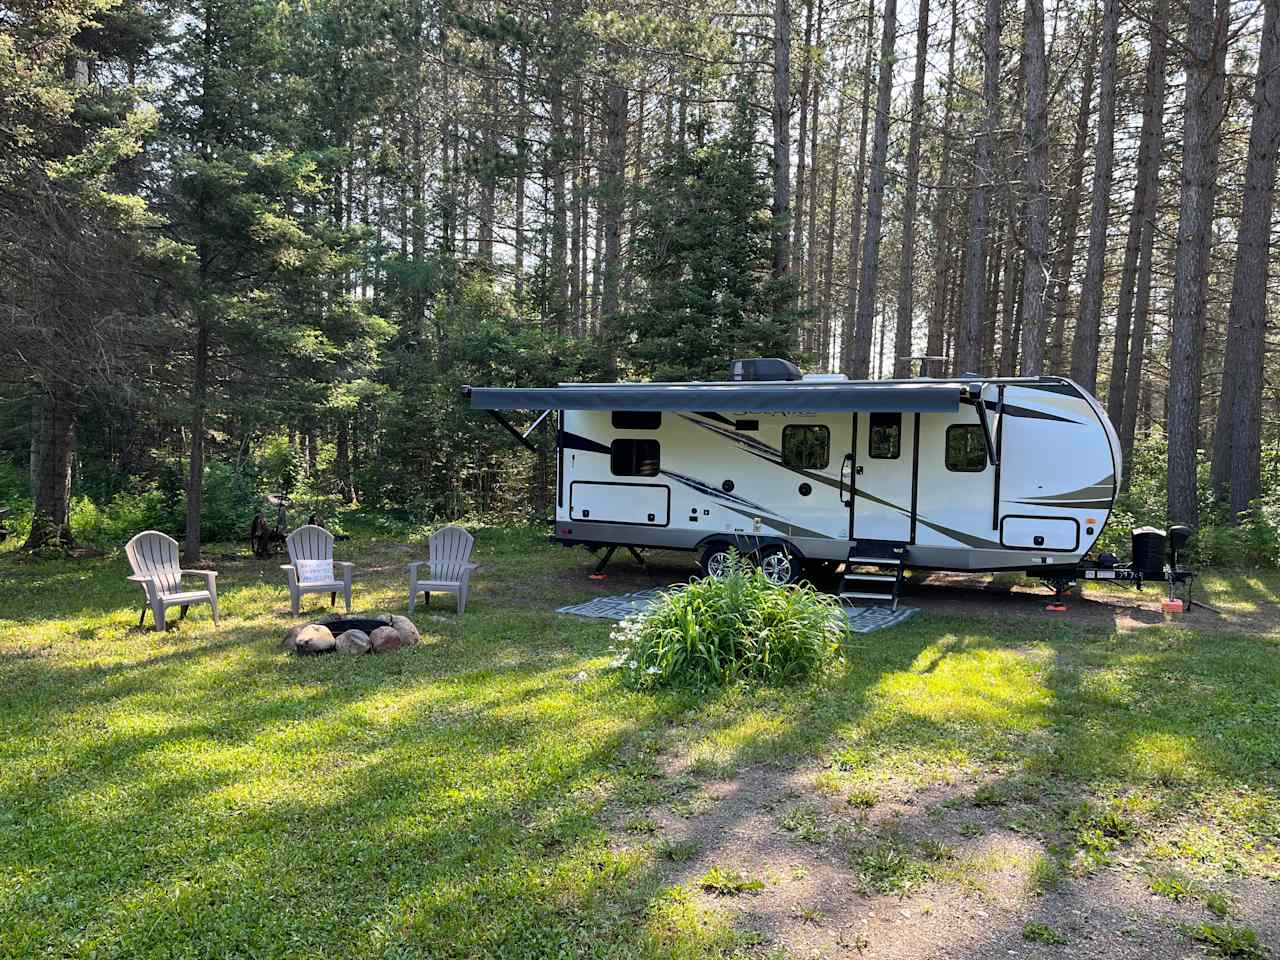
[{"x": 201, "y": 792}]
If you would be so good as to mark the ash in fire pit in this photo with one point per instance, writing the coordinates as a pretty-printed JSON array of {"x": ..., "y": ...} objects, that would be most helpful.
[{"x": 353, "y": 635}]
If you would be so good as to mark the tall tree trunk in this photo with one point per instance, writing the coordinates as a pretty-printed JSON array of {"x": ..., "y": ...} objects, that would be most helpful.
[
  {"x": 578, "y": 200},
  {"x": 1238, "y": 440},
  {"x": 829, "y": 261},
  {"x": 862, "y": 329},
  {"x": 613, "y": 187},
  {"x": 969, "y": 346},
  {"x": 859, "y": 177},
  {"x": 342, "y": 460},
  {"x": 1191, "y": 261},
  {"x": 942, "y": 222},
  {"x": 1071, "y": 212},
  {"x": 810, "y": 269},
  {"x": 781, "y": 139},
  {"x": 1035, "y": 275},
  {"x": 906, "y": 275},
  {"x": 1145, "y": 186},
  {"x": 488, "y": 170},
  {"x": 806, "y": 79},
  {"x": 53, "y": 439},
  {"x": 558, "y": 308},
  {"x": 1084, "y": 346},
  {"x": 522, "y": 160},
  {"x": 195, "y": 477}
]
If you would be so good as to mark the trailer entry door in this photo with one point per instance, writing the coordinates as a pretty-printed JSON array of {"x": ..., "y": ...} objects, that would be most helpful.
[{"x": 884, "y": 449}]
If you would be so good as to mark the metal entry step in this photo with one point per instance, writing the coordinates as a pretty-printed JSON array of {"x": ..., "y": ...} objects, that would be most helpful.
[{"x": 878, "y": 562}]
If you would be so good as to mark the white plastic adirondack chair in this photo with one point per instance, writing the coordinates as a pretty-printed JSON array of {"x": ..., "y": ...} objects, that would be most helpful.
[
  {"x": 315, "y": 543},
  {"x": 154, "y": 559},
  {"x": 449, "y": 567}
]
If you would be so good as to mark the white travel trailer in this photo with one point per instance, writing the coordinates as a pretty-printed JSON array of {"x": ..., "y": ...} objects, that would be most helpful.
[{"x": 963, "y": 474}]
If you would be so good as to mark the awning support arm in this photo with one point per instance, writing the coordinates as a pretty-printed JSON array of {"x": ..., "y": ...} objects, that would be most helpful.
[
  {"x": 975, "y": 393},
  {"x": 523, "y": 438}
]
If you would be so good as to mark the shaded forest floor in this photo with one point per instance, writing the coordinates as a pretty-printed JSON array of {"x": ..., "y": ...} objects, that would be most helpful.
[{"x": 986, "y": 780}]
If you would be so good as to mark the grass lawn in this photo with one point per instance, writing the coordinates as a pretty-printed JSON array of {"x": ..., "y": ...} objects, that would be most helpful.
[{"x": 1008, "y": 783}]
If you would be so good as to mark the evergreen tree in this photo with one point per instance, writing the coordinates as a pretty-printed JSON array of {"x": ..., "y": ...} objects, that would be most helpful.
[{"x": 703, "y": 250}]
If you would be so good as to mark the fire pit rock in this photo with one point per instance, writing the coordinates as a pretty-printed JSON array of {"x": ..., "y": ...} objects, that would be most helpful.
[{"x": 352, "y": 635}]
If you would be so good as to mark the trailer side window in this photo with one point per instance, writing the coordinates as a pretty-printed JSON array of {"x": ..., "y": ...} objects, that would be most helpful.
[
  {"x": 884, "y": 442},
  {"x": 634, "y": 458},
  {"x": 637, "y": 419},
  {"x": 806, "y": 446},
  {"x": 966, "y": 448}
]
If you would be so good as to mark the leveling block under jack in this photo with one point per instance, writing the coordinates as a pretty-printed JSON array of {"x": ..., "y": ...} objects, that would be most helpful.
[{"x": 599, "y": 574}]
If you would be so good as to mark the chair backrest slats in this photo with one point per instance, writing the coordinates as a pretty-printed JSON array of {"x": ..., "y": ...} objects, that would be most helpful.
[
  {"x": 450, "y": 548},
  {"x": 153, "y": 554},
  {"x": 310, "y": 543}
]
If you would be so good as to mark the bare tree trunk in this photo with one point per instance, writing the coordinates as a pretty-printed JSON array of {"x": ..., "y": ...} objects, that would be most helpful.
[
  {"x": 195, "y": 478},
  {"x": 342, "y": 460},
  {"x": 829, "y": 262},
  {"x": 859, "y": 176},
  {"x": 53, "y": 441},
  {"x": 806, "y": 79},
  {"x": 781, "y": 139},
  {"x": 942, "y": 222},
  {"x": 862, "y": 329},
  {"x": 1071, "y": 213},
  {"x": 522, "y": 146},
  {"x": 488, "y": 172},
  {"x": 1035, "y": 275},
  {"x": 1144, "y": 186},
  {"x": 558, "y": 307},
  {"x": 810, "y": 270},
  {"x": 906, "y": 276},
  {"x": 1238, "y": 440},
  {"x": 1084, "y": 346},
  {"x": 1190, "y": 262},
  {"x": 969, "y": 338},
  {"x": 613, "y": 187}
]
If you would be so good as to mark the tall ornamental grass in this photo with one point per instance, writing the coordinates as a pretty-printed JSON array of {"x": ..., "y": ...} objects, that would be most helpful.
[{"x": 719, "y": 631}]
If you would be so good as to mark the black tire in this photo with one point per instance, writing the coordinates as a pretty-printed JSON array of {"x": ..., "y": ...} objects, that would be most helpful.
[
  {"x": 779, "y": 564},
  {"x": 715, "y": 558}
]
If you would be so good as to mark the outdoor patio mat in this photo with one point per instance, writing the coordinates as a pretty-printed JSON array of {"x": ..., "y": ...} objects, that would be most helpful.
[{"x": 861, "y": 619}]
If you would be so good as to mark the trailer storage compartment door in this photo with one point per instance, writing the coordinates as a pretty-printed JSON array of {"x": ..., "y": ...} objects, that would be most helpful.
[
  {"x": 1040, "y": 533},
  {"x": 646, "y": 504}
]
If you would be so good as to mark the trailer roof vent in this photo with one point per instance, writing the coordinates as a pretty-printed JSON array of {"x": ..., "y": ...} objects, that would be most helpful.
[{"x": 764, "y": 368}]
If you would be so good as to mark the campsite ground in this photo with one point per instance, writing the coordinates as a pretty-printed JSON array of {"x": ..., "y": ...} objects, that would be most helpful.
[{"x": 986, "y": 780}]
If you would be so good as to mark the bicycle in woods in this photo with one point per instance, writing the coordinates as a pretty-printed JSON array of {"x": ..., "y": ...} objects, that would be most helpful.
[{"x": 268, "y": 540}]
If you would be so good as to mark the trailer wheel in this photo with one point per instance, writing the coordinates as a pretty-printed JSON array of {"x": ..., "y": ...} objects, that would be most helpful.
[
  {"x": 715, "y": 560},
  {"x": 779, "y": 565}
]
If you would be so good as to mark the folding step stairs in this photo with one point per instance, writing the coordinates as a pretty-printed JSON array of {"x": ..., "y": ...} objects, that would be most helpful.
[{"x": 873, "y": 571}]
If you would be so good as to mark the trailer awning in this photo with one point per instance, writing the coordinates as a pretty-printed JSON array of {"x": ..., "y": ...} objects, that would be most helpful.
[{"x": 798, "y": 397}]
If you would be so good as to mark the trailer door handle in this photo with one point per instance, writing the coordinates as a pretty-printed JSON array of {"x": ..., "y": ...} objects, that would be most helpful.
[{"x": 846, "y": 465}]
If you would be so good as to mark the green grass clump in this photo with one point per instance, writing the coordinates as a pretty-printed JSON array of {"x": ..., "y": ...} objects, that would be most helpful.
[
  {"x": 739, "y": 627},
  {"x": 889, "y": 867},
  {"x": 728, "y": 883},
  {"x": 1042, "y": 933},
  {"x": 1227, "y": 941}
]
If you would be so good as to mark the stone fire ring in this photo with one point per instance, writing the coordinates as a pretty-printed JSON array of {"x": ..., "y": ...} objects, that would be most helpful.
[{"x": 352, "y": 635}]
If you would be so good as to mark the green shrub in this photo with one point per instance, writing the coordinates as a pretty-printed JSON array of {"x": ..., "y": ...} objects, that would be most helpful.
[{"x": 739, "y": 627}]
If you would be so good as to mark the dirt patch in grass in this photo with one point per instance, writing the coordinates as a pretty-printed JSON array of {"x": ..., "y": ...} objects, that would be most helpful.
[{"x": 929, "y": 872}]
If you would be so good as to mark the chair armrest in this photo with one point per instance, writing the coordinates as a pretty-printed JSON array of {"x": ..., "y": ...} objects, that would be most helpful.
[
  {"x": 208, "y": 575},
  {"x": 150, "y": 585},
  {"x": 292, "y": 572},
  {"x": 345, "y": 564},
  {"x": 470, "y": 566},
  {"x": 413, "y": 567}
]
